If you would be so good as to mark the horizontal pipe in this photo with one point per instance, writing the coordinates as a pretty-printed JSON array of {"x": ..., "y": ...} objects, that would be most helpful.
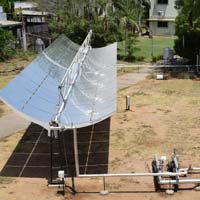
[
  {"x": 170, "y": 174},
  {"x": 195, "y": 168},
  {"x": 183, "y": 169},
  {"x": 153, "y": 66},
  {"x": 184, "y": 181}
]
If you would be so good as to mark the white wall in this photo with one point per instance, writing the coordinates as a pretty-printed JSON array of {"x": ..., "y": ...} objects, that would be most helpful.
[
  {"x": 168, "y": 9},
  {"x": 169, "y": 31},
  {"x": 3, "y": 15}
]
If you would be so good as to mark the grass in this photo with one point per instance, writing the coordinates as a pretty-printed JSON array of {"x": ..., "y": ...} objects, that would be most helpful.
[
  {"x": 144, "y": 47},
  {"x": 124, "y": 70},
  {"x": 21, "y": 59}
]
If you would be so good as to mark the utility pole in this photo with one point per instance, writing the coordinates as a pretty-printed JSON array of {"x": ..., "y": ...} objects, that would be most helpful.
[
  {"x": 24, "y": 42},
  {"x": 152, "y": 44},
  {"x": 126, "y": 33}
]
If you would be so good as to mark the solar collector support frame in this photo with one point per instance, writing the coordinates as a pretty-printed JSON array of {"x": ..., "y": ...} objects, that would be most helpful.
[
  {"x": 61, "y": 183},
  {"x": 65, "y": 88}
]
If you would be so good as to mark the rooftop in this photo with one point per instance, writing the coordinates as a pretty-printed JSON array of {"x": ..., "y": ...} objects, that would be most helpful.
[
  {"x": 5, "y": 23},
  {"x": 33, "y": 13},
  {"x": 25, "y": 5}
]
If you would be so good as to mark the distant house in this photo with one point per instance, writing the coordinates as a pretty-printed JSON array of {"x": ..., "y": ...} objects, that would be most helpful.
[
  {"x": 36, "y": 22},
  {"x": 162, "y": 17}
]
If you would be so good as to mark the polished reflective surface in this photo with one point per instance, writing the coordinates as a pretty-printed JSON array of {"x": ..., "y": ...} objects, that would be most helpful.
[{"x": 34, "y": 92}]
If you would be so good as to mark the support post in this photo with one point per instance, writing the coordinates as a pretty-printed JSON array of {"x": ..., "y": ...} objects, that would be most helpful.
[
  {"x": 152, "y": 49},
  {"x": 128, "y": 103},
  {"x": 73, "y": 184},
  {"x": 104, "y": 183},
  {"x": 76, "y": 152},
  {"x": 24, "y": 42},
  {"x": 51, "y": 157}
]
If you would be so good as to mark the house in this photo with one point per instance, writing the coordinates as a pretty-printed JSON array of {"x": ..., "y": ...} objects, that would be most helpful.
[
  {"x": 162, "y": 17},
  {"x": 35, "y": 22}
]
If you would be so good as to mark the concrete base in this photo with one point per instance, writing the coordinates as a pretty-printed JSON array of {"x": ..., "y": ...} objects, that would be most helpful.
[
  {"x": 104, "y": 192},
  {"x": 197, "y": 188},
  {"x": 169, "y": 192}
]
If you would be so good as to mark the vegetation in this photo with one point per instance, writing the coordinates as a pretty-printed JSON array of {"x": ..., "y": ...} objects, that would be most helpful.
[
  {"x": 7, "y": 44},
  {"x": 188, "y": 29},
  {"x": 8, "y": 6},
  {"x": 110, "y": 20}
]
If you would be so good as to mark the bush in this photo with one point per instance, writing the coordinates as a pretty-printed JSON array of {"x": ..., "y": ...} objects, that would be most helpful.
[
  {"x": 7, "y": 44},
  {"x": 181, "y": 75},
  {"x": 191, "y": 45},
  {"x": 157, "y": 58}
]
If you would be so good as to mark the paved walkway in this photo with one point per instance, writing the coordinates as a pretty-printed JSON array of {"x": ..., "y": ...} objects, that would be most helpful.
[
  {"x": 12, "y": 122},
  {"x": 129, "y": 79}
]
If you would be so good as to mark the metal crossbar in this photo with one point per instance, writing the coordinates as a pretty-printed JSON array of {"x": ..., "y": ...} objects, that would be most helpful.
[{"x": 72, "y": 73}]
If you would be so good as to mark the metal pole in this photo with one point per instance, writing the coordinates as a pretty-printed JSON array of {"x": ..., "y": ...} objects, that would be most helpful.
[
  {"x": 24, "y": 36},
  {"x": 184, "y": 181},
  {"x": 51, "y": 157},
  {"x": 73, "y": 184},
  {"x": 24, "y": 42},
  {"x": 104, "y": 183},
  {"x": 76, "y": 152},
  {"x": 152, "y": 53},
  {"x": 163, "y": 174}
]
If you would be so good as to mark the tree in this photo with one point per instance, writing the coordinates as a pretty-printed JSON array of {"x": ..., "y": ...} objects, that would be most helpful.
[
  {"x": 75, "y": 19},
  {"x": 110, "y": 20},
  {"x": 8, "y": 6},
  {"x": 7, "y": 44},
  {"x": 188, "y": 29}
]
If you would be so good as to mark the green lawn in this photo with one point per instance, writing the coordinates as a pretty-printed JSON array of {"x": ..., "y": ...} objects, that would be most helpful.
[{"x": 144, "y": 47}]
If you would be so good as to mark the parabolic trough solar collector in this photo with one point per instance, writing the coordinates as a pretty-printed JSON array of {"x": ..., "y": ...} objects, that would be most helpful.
[{"x": 34, "y": 92}]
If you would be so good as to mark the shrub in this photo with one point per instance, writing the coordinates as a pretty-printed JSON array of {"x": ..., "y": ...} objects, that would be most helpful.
[
  {"x": 7, "y": 44},
  {"x": 157, "y": 58}
]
